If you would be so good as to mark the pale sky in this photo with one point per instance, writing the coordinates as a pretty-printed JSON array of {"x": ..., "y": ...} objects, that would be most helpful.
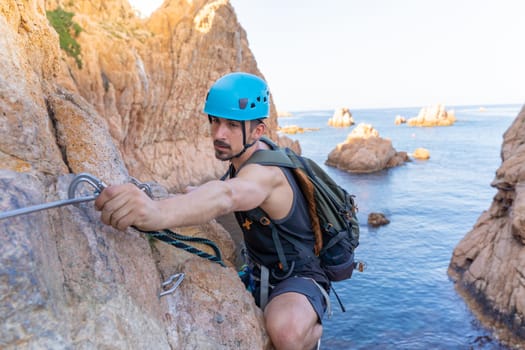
[{"x": 383, "y": 53}]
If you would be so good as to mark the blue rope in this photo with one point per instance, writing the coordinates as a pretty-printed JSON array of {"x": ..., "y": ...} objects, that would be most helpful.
[{"x": 175, "y": 239}]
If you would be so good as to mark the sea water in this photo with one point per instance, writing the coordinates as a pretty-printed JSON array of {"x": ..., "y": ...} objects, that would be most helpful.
[{"x": 405, "y": 299}]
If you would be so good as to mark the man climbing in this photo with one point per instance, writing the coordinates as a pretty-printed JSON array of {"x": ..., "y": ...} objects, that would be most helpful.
[{"x": 293, "y": 300}]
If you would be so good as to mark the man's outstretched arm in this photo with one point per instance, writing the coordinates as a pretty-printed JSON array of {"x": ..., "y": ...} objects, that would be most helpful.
[{"x": 126, "y": 205}]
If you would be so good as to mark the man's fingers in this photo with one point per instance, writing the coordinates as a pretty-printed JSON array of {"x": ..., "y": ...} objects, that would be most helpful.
[
  {"x": 108, "y": 194},
  {"x": 116, "y": 202},
  {"x": 111, "y": 206},
  {"x": 122, "y": 218},
  {"x": 126, "y": 205}
]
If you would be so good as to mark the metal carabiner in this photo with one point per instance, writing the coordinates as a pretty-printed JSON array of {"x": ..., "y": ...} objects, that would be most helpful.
[
  {"x": 176, "y": 279},
  {"x": 98, "y": 184},
  {"x": 142, "y": 186}
]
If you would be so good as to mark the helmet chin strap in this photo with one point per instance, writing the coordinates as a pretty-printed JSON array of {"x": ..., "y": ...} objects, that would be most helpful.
[
  {"x": 243, "y": 150},
  {"x": 246, "y": 146}
]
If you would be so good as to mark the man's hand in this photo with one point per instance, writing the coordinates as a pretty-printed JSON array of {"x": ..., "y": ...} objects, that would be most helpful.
[{"x": 126, "y": 205}]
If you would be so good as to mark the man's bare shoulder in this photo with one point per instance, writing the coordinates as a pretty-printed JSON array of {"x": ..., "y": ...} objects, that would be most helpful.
[
  {"x": 261, "y": 172},
  {"x": 273, "y": 184}
]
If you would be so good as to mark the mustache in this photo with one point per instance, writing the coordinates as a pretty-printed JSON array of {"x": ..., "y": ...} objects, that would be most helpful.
[{"x": 220, "y": 143}]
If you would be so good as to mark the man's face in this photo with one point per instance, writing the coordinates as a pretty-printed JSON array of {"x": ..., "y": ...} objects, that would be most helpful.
[{"x": 227, "y": 137}]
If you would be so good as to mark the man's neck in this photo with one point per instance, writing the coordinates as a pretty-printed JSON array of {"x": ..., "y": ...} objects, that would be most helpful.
[{"x": 237, "y": 162}]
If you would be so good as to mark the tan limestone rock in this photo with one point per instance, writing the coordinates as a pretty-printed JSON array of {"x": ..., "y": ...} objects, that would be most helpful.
[
  {"x": 518, "y": 214},
  {"x": 291, "y": 129},
  {"x": 295, "y": 129},
  {"x": 488, "y": 264},
  {"x": 74, "y": 281},
  {"x": 377, "y": 219},
  {"x": 148, "y": 78},
  {"x": 400, "y": 120},
  {"x": 27, "y": 141},
  {"x": 84, "y": 138},
  {"x": 342, "y": 118},
  {"x": 214, "y": 291},
  {"x": 364, "y": 151},
  {"x": 284, "y": 141},
  {"x": 67, "y": 280},
  {"x": 421, "y": 153},
  {"x": 435, "y": 115}
]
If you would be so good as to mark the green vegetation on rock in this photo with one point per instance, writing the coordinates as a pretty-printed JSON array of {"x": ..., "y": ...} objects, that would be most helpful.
[{"x": 67, "y": 31}]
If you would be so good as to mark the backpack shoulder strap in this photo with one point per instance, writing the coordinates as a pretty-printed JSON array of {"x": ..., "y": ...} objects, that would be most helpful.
[
  {"x": 274, "y": 156},
  {"x": 285, "y": 157},
  {"x": 269, "y": 142},
  {"x": 271, "y": 157}
]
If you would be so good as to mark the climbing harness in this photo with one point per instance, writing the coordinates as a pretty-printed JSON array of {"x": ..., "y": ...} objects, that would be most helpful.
[
  {"x": 167, "y": 236},
  {"x": 174, "y": 280}
]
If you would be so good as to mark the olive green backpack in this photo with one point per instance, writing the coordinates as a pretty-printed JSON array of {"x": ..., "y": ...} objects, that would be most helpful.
[{"x": 332, "y": 210}]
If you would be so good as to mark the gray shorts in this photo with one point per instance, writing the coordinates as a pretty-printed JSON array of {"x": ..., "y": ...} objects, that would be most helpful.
[{"x": 306, "y": 287}]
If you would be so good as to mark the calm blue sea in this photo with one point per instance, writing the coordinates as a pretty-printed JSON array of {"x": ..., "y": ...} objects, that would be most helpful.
[{"x": 404, "y": 299}]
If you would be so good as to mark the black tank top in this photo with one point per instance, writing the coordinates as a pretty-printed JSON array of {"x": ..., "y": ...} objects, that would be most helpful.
[{"x": 260, "y": 245}]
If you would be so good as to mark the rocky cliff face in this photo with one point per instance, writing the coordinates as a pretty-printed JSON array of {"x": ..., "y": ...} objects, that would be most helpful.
[
  {"x": 148, "y": 80},
  {"x": 488, "y": 265},
  {"x": 131, "y": 107}
]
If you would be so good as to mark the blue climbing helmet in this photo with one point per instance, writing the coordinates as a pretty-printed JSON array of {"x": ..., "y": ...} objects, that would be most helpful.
[{"x": 238, "y": 96}]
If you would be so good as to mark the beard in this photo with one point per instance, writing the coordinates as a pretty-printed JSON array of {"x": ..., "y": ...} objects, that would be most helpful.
[{"x": 224, "y": 152}]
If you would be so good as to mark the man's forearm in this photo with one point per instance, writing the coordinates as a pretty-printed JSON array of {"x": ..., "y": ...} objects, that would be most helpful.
[{"x": 201, "y": 205}]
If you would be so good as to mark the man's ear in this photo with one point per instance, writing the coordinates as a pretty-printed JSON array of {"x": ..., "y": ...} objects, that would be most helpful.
[{"x": 259, "y": 130}]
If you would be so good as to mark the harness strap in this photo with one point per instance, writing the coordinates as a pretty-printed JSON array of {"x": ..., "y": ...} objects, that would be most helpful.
[
  {"x": 326, "y": 298},
  {"x": 343, "y": 309},
  {"x": 264, "y": 286},
  {"x": 279, "y": 248},
  {"x": 337, "y": 236},
  {"x": 260, "y": 216}
]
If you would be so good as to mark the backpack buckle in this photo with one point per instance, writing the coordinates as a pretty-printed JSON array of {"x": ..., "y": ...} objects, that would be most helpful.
[{"x": 264, "y": 221}]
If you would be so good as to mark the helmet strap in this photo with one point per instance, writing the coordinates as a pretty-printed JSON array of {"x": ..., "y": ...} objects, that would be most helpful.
[
  {"x": 245, "y": 145},
  {"x": 243, "y": 150}
]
